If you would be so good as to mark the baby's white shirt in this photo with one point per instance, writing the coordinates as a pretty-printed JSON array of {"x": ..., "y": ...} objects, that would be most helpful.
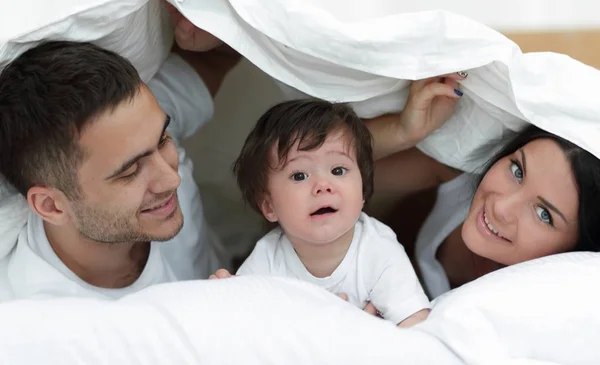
[{"x": 375, "y": 269}]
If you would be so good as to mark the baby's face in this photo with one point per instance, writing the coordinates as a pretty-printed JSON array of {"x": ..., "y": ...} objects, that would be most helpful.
[{"x": 317, "y": 196}]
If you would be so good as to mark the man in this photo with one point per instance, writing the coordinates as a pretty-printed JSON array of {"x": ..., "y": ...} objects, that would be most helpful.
[{"x": 95, "y": 153}]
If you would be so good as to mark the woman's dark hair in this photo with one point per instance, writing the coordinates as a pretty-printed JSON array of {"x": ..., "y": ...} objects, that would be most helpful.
[
  {"x": 586, "y": 171},
  {"x": 306, "y": 122}
]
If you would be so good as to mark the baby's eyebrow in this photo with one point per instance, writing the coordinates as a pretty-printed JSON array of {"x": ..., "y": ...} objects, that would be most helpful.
[
  {"x": 340, "y": 153},
  {"x": 289, "y": 160}
]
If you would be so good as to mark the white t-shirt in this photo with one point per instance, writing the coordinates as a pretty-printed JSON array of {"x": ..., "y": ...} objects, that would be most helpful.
[
  {"x": 375, "y": 269},
  {"x": 448, "y": 213},
  {"x": 32, "y": 269}
]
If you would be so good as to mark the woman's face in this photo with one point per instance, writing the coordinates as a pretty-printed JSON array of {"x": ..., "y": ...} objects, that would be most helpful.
[{"x": 525, "y": 207}]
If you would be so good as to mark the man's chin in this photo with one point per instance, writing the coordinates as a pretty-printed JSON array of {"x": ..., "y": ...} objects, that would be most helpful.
[{"x": 168, "y": 229}]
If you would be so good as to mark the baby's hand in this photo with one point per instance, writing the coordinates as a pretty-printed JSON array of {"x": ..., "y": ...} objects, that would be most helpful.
[
  {"x": 369, "y": 308},
  {"x": 221, "y": 274},
  {"x": 415, "y": 318}
]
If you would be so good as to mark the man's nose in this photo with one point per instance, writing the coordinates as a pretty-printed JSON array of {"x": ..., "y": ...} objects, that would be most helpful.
[{"x": 166, "y": 177}]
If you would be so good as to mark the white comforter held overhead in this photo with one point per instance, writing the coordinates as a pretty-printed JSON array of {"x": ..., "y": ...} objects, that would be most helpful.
[
  {"x": 369, "y": 62},
  {"x": 540, "y": 312}
]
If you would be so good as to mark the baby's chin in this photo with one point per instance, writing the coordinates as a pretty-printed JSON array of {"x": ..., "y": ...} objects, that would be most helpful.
[{"x": 325, "y": 238}]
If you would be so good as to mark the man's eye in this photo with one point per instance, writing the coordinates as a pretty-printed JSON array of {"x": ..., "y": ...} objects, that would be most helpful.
[
  {"x": 131, "y": 175},
  {"x": 299, "y": 176}
]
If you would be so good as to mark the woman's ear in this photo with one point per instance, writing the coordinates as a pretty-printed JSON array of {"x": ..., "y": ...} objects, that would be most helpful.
[
  {"x": 266, "y": 207},
  {"x": 50, "y": 204}
]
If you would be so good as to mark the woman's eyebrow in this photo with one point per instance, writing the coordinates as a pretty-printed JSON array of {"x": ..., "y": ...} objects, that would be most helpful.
[
  {"x": 542, "y": 200},
  {"x": 552, "y": 207},
  {"x": 524, "y": 161}
]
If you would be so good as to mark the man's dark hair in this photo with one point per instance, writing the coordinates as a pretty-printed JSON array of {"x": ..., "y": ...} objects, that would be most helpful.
[
  {"x": 48, "y": 95},
  {"x": 308, "y": 123}
]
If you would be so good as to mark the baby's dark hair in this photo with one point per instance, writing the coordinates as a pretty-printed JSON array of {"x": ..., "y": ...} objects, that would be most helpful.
[{"x": 307, "y": 122}]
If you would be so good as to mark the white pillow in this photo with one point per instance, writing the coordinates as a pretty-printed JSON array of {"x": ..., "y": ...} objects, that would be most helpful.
[
  {"x": 246, "y": 320},
  {"x": 545, "y": 310},
  {"x": 540, "y": 312}
]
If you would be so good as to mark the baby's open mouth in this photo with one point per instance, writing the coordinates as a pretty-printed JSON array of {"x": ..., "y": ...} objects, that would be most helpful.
[{"x": 324, "y": 210}]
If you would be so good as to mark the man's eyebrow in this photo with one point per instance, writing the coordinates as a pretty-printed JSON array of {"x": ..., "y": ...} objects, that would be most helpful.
[
  {"x": 167, "y": 122},
  {"x": 127, "y": 164},
  {"x": 553, "y": 208}
]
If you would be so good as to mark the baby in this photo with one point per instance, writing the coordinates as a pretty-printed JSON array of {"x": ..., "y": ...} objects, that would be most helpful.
[{"x": 307, "y": 167}]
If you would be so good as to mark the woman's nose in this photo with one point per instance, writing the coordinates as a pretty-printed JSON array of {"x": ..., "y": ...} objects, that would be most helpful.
[{"x": 506, "y": 205}]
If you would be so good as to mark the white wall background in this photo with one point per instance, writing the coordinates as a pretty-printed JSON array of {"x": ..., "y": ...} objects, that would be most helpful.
[
  {"x": 246, "y": 93},
  {"x": 499, "y": 14}
]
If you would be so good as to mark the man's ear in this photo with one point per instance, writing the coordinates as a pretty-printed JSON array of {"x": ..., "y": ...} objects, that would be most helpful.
[
  {"x": 266, "y": 207},
  {"x": 50, "y": 204}
]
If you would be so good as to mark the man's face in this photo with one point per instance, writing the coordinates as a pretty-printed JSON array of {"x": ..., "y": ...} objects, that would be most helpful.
[{"x": 128, "y": 176}]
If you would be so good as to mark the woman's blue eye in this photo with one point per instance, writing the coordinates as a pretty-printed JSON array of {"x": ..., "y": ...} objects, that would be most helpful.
[
  {"x": 299, "y": 176},
  {"x": 339, "y": 171},
  {"x": 516, "y": 170},
  {"x": 544, "y": 215}
]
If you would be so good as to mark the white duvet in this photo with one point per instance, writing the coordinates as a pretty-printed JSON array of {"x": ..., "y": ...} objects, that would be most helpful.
[
  {"x": 550, "y": 317},
  {"x": 540, "y": 312},
  {"x": 368, "y": 62}
]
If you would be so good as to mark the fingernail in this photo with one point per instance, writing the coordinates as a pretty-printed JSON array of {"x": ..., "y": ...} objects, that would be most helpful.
[
  {"x": 463, "y": 74},
  {"x": 458, "y": 92}
]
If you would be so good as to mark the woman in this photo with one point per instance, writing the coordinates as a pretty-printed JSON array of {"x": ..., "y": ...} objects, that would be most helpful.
[{"x": 540, "y": 195}]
